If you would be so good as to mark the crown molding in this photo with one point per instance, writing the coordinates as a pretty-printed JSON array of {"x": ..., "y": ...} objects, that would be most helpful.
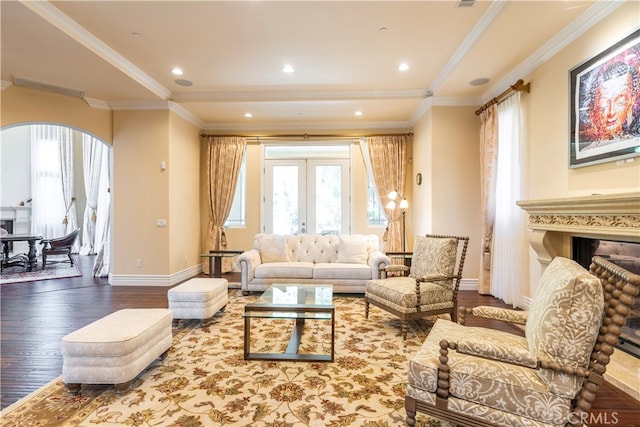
[
  {"x": 593, "y": 15},
  {"x": 485, "y": 21},
  {"x": 64, "y": 23},
  {"x": 6, "y": 84},
  {"x": 97, "y": 103},
  {"x": 288, "y": 95},
  {"x": 307, "y": 126}
]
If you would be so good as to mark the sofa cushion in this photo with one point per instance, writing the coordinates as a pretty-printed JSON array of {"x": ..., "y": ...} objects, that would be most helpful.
[
  {"x": 352, "y": 249},
  {"x": 337, "y": 270},
  {"x": 434, "y": 256},
  {"x": 290, "y": 270},
  {"x": 272, "y": 247},
  {"x": 564, "y": 319}
]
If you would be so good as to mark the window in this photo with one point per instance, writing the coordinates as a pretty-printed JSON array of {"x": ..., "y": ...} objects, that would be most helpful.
[
  {"x": 238, "y": 215},
  {"x": 375, "y": 209},
  {"x": 307, "y": 188}
]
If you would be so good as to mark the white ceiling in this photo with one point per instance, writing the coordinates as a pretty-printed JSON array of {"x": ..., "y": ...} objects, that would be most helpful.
[{"x": 119, "y": 55}]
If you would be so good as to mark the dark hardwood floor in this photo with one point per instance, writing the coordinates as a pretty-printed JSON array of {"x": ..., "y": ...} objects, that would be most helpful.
[{"x": 36, "y": 315}]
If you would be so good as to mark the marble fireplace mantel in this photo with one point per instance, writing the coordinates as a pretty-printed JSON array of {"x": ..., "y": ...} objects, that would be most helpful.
[{"x": 553, "y": 223}]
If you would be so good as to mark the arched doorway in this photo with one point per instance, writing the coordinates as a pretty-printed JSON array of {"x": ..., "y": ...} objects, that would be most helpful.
[{"x": 87, "y": 205}]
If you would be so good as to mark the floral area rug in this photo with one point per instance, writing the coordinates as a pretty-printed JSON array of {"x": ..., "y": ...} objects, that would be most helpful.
[
  {"x": 205, "y": 381},
  {"x": 53, "y": 271}
]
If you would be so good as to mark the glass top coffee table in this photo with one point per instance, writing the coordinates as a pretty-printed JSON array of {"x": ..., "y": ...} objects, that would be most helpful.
[{"x": 298, "y": 302}]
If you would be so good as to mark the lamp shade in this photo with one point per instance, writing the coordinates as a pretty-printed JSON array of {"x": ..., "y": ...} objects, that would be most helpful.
[
  {"x": 392, "y": 195},
  {"x": 404, "y": 204}
]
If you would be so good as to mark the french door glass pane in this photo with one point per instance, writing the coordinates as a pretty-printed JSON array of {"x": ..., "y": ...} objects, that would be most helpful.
[
  {"x": 285, "y": 218},
  {"x": 328, "y": 203}
]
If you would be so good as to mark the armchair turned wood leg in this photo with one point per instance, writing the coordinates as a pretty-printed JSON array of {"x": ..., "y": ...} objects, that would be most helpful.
[
  {"x": 366, "y": 309},
  {"x": 410, "y": 407},
  {"x": 405, "y": 329}
]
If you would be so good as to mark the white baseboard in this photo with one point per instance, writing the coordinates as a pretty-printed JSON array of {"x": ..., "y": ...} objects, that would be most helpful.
[
  {"x": 154, "y": 280},
  {"x": 469, "y": 285}
]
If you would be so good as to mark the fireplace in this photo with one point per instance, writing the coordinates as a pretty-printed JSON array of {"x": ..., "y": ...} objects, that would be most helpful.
[
  {"x": 7, "y": 225},
  {"x": 627, "y": 256},
  {"x": 554, "y": 224}
]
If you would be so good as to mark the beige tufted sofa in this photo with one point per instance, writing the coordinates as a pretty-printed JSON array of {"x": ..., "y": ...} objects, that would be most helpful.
[{"x": 348, "y": 262}]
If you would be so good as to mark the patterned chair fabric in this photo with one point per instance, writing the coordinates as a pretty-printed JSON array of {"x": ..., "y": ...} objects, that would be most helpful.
[
  {"x": 481, "y": 377},
  {"x": 431, "y": 286}
]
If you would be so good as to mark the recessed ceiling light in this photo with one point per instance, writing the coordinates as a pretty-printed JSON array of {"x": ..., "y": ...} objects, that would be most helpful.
[
  {"x": 403, "y": 67},
  {"x": 183, "y": 82},
  {"x": 137, "y": 35},
  {"x": 479, "y": 82},
  {"x": 248, "y": 115},
  {"x": 358, "y": 113},
  {"x": 382, "y": 29},
  {"x": 177, "y": 71},
  {"x": 288, "y": 69}
]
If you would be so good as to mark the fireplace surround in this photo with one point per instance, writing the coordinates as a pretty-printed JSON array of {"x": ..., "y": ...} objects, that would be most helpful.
[{"x": 554, "y": 225}]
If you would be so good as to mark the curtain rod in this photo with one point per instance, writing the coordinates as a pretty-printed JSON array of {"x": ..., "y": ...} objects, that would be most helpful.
[
  {"x": 306, "y": 136},
  {"x": 518, "y": 86}
]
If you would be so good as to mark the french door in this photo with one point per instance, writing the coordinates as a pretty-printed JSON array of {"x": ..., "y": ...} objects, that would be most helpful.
[{"x": 307, "y": 196}]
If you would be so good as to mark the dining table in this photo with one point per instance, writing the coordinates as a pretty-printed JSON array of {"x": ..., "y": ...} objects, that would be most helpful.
[{"x": 31, "y": 239}]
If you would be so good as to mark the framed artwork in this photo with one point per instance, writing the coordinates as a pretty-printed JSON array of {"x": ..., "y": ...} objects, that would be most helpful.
[{"x": 605, "y": 105}]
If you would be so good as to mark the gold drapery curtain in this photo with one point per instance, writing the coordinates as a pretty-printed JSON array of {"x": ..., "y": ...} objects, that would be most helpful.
[
  {"x": 488, "y": 164},
  {"x": 388, "y": 165},
  {"x": 224, "y": 159}
]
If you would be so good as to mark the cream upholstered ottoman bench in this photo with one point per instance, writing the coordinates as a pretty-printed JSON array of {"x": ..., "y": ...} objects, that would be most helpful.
[
  {"x": 198, "y": 298},
  {"x": 116, "y": 348}
]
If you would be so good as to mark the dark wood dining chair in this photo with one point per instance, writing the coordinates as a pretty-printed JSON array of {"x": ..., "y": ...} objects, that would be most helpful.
[{"x": 59, "y": 246}]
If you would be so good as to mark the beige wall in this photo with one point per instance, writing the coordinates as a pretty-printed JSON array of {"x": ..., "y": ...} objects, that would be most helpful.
[
  {"x": 20, "y": 105},
  {"x": 140, "y": 192},
  {"x": 446, "y": 153},
  {"x": 548, "y": 119},
  {"x": 144, "y": 194},
  {"x": 183, "y": 168}
]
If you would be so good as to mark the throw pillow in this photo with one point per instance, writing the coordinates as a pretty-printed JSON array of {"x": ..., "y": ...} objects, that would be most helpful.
[
  {"x": 434, "y": 256},
  {"x": 352, "y": 250},
  {"x": 273, "y": 248}
]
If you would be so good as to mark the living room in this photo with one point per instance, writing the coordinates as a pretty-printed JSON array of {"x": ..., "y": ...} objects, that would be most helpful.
[{"x": 443, "y": 148}]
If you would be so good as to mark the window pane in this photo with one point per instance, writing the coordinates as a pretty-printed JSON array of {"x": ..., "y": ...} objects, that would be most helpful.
[
  {"x": 285, "y": 200},
  {"x": 237, "y": 216},
  {"x": 375, "y": 209},
  {"x": 328, "y": 198}
]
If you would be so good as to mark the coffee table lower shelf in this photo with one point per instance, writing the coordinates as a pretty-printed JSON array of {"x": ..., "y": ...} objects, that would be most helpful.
[{"x": 252, "y": 311}]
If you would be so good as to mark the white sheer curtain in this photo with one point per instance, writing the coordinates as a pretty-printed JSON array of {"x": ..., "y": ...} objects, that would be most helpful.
[
  {"x": 48, "y": 207},
  {"x": 92, "y": 161},
  {"x": 102, "y": 244},
  {"x": 68, "y": 188},
  {"x": 509, "y": 267}
]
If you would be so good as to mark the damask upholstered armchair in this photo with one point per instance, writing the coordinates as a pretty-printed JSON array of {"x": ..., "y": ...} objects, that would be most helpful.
[
  {"x": 430, "y": 288},
  {"x": 475, "y": 376}
]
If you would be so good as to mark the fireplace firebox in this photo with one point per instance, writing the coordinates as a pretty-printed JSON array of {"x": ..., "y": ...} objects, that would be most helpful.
[{"x": 627, "y": 256}]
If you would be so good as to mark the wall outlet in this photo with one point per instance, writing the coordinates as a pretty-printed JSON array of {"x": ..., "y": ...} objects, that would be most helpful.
[{"x": 138, "y": 263}]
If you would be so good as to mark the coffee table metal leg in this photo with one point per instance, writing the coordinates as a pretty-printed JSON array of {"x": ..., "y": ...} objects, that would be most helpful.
[
  {"x": 296, "y": 336},
  {"x": 247, "y": 336}
]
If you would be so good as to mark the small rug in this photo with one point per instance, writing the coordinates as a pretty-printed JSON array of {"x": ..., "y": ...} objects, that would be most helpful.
[
  {"x": 205, "y": 381},
  {"x": 53, "y": 271}
]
